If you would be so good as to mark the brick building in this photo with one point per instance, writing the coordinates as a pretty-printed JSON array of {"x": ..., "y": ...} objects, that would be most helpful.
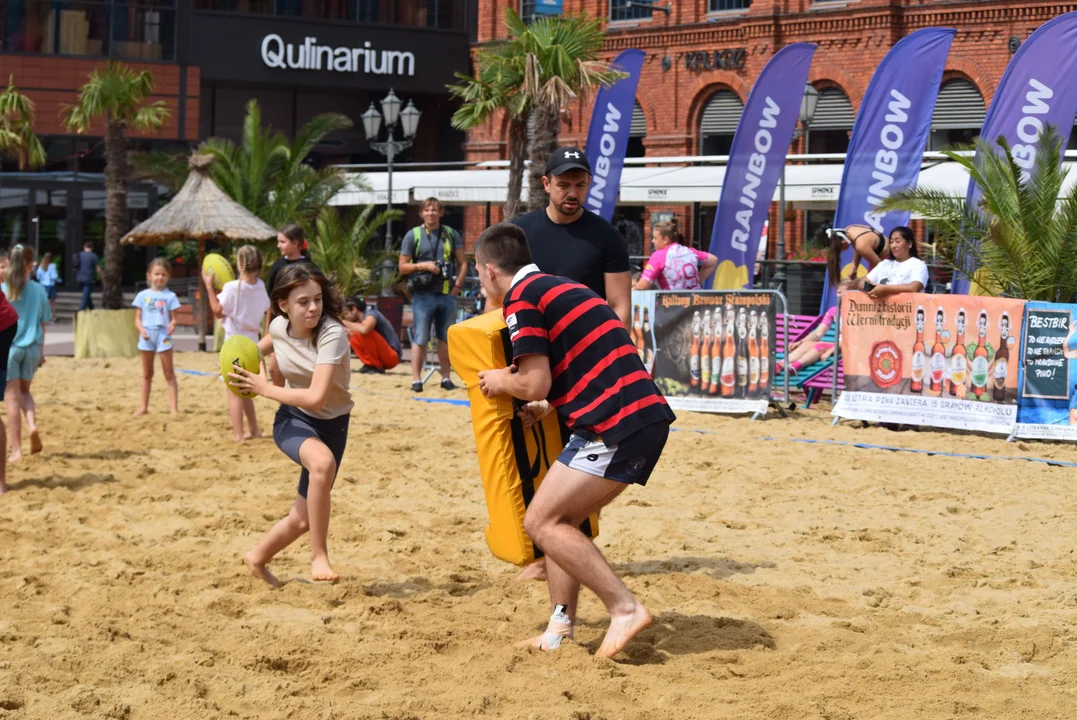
[
  {"x": 209, "y": 58},
  {"x": 703, "y": 57}
]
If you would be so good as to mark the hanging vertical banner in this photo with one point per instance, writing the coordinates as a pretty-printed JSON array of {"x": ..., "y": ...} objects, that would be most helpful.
[
  {"x": 607, "y": 138},
  {"x": 1037, "y": 89},
  {"x": 760, "y": 144},
  {"x": 889, "y": 135}
]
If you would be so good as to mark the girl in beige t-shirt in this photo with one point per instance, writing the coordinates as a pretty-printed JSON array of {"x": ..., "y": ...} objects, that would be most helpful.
[{"x": 311, "y": 426}]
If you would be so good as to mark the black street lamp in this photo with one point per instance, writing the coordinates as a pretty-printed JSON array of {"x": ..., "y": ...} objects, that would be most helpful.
[
  {"x": 808, "y": 102},
  {"x": 391, "y": 115}
]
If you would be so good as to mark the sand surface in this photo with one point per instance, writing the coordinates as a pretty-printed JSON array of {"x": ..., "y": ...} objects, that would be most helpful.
[{"x": 788, "y": 580}]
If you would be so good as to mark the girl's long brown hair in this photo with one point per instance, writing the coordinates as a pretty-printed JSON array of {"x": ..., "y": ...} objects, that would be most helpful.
[
  {"x": 301, "y": 273},
  {"x": 22, "y": 260}
]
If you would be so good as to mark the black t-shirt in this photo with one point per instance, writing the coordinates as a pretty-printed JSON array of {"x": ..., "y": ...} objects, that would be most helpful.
[
  {"x": 583, "y": 250},
  {"x": 282, "y": 263}
]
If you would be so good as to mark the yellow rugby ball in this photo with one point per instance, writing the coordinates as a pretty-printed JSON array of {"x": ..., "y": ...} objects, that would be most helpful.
[
  {"x": 221, "y": 268},
  {"x": 242, "y": 351}
]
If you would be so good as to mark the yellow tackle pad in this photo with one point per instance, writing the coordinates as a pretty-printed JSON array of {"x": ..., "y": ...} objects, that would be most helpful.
[{"x": 512, "y": 460}]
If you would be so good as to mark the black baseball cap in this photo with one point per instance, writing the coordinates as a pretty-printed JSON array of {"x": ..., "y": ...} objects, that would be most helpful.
[{"x": 564, "y": 159}]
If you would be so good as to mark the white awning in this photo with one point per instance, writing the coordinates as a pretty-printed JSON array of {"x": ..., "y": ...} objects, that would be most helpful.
[
  {"x": 467, "y": 186},
  {"x": 803, "y": 184},
  {"x": 953, "y": 179},
  {"x": 378, "y": 194}
]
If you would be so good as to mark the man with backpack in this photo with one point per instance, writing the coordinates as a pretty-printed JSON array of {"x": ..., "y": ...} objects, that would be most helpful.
[{"x": 433, "y": 261}]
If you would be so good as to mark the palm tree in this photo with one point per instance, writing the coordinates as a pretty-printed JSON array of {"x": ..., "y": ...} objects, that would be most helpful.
[
  {"x": 117, "y": 94},
  {"x": 537, "y": 71},
  {"x": 339, "y": 242},
  {"x": 265, "y": 173},
  {"x": 17, "y": 138},
  {"x": 1023, "y": 234}
]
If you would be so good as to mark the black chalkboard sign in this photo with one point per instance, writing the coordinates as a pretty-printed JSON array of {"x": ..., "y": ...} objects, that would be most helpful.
[{"x": 1047, "y": 372}]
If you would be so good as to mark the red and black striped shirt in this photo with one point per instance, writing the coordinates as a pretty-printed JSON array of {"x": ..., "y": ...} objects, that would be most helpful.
[{"x": 600, "y": 386}]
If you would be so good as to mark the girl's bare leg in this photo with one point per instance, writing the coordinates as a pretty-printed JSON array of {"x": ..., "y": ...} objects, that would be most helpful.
[
  {"x": 283, "y": 534},
  {"x": 13, "y": 400},
  {"x": 235, "y": 414},
  {"x": 147, "y": 382},
  {"x": 170, "y": 378},
  {"x": 29, "y": 409},
  {"x": 322, "y": 466},
  {"x": 252, "y": 419}
]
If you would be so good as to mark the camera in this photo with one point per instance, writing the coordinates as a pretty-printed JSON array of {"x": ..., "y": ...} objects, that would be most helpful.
[{"x": 427, "y": 280}]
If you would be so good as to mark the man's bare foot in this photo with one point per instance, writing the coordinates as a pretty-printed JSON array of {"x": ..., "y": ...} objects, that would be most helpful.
[
  {"x": 534, "y": 571},
  {"x": 238, "y": 438},
  {"x": 139, "y": 412},
  {"x": 174, "y": 411},
  {"x": 261, "y": 572},
  {"x": 622, "y": 629},
  {"x": 35, "y": 442},
  {"x": 321, "y": 571},
  {"x": 556, "y": 633},
  {"x": 252, "y": 435},
  {"x": 15, "y": 456}
]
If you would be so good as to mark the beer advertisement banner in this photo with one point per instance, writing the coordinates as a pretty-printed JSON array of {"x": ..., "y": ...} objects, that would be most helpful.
[
  {"x": 1047, "y": 406},
  {"x": 940, "y": 360},
  {"x": 708, "y": 351}
]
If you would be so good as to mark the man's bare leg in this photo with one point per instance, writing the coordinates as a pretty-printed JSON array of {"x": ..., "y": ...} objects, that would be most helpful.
[
  {"x": 443, "y": 358},
  {"x": 322, "y": 466},
  {"x": 418, "y": 357},
  {"x": 564, "y": 499},
  {"x": 564, "y": 595},
  {"x": 280, "y": 536}
]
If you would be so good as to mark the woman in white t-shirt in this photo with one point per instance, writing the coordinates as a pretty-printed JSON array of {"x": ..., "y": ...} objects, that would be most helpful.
[
  {"x": 242, "y": 306},
  {"x": 902, "y": 271},
  {"x": 311, "y": 426}
]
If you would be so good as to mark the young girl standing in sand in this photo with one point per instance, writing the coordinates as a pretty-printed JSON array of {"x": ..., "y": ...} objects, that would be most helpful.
[
  {"x": 27, "y": 351},
  {"x": 153, "y": 318},
  {"x": 242, "y": 305},
  {"x": 311, "y": 426}
]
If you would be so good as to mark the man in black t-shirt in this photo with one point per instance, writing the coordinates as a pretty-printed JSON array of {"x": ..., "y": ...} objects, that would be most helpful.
[{"x": 570, "y": 241}]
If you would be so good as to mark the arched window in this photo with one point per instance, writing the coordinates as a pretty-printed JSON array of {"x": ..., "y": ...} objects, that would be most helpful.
[
  {"x": 636, "y": 133},
  {"x": 719, "y": 123},
  {"x": 959, "y": 114},
  {"x": 833, "y": 120}
]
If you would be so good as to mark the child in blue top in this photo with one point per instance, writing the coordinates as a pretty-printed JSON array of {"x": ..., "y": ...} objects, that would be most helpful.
[
  {"x": 153, "y": 318},
  {"x": 27, "y": 352}
]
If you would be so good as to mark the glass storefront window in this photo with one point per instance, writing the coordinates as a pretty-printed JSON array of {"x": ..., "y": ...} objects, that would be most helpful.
[
  {"x": 127, "y": 29},
  {"x": 14, "y": 216},
  {"x": 441, "y": 14}
]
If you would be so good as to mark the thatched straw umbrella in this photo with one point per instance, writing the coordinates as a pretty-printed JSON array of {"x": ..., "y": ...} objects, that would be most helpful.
[{"x": 200, "y": 211}]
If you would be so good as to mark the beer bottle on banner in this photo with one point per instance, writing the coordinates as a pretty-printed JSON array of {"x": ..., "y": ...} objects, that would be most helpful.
[
  {"x": 753, "y": 354},
  {"x": 648, "y": 343},
  {"x": 729, "y": 355},
  {"x": 958, "y": 358},
  {"x": 938, "y": 356},
  {"x": 979, "y": 358},
  {"x": 705, "y": 355},
  {"x": 742, "y": 352},
  {"x": 919, "y": 357},
  {"x": 1002, "y": 359},
  {"x": 717, "y": 350},
  {"x": 693, "y": 352},
  {"x": 764, "y": 352},
  {"x": 635, "y": 328}
]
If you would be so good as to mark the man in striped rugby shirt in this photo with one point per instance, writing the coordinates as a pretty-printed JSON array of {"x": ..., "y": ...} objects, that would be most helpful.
[{"x": 571, "y": 353}]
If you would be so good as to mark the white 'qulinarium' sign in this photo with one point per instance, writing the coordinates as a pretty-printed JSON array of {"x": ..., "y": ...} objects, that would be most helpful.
[{"x": 311, "y": 56}]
